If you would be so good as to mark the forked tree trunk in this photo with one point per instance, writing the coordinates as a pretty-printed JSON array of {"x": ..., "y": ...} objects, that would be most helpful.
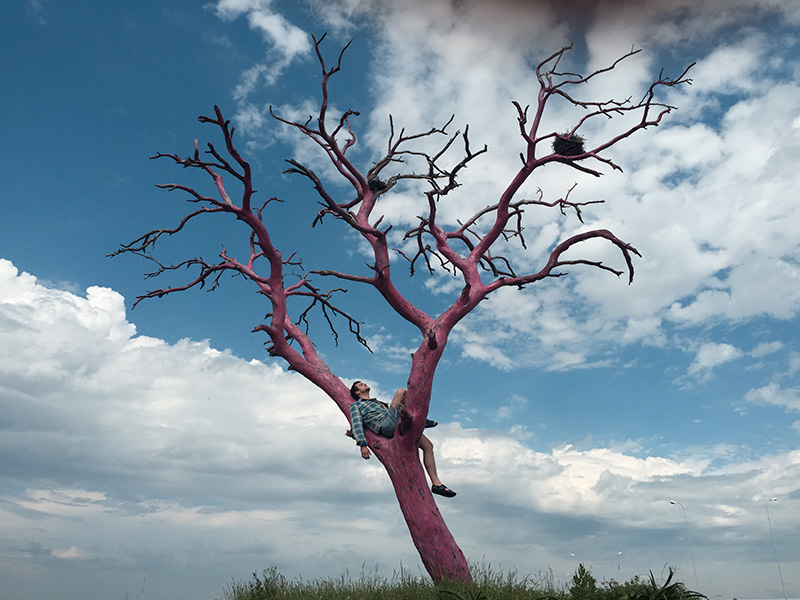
[
  {"x": 440, "y": 555},
  {"x": 438, "y": 550}
]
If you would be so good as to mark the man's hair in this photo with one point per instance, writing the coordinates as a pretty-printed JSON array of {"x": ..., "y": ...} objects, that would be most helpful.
[{"x": 353, "y": 391}]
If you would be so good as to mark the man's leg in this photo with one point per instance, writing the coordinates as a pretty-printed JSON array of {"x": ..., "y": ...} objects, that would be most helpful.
[
  {"x": 428, "y": 461},
  {"x": 437, "y": 487},
  {"x": 399, "y": 399},
  {"x": 399, "y": 403}
]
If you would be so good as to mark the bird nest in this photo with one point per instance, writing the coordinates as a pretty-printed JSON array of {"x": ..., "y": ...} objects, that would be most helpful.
[
  {"x": 568, "y": 145},
  {"x": 376, "y": 185}
]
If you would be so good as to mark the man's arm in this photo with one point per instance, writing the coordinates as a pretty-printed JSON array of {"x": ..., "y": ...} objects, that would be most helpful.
[{"x": 357, "y": 423}]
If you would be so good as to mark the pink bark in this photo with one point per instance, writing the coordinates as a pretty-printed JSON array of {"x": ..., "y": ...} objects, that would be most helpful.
[
  {"x": 461, "y": 251},
  {"x": 437, "y": 548}
]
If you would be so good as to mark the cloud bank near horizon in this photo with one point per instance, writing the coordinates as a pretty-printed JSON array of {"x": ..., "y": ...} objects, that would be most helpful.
[{"x": 190, "y": 454}]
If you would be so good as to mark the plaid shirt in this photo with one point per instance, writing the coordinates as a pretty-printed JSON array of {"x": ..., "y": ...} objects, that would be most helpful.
[{"x": 366, "y": 413}]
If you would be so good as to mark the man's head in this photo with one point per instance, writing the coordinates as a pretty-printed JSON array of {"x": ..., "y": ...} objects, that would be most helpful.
[{"x": 359, "y": 390}]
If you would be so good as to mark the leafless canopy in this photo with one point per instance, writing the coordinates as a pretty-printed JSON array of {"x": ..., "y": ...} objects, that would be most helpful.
[{"x": 465, "y": 249}]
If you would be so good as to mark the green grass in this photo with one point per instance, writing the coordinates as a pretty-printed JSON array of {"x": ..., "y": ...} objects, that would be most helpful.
[{"x": 490, "y": 584}]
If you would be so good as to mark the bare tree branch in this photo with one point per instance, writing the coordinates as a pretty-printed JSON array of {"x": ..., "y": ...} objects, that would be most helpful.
[{"x": 282, "y": 330}]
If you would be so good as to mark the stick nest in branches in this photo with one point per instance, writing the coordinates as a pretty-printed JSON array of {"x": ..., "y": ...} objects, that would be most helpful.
[
  {"x": 376, "y": 185},
  {"x": 568, "y": 145}
]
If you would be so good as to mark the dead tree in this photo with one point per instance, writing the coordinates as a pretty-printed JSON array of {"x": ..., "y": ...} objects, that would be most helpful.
[{"x": 472, "y": 249}]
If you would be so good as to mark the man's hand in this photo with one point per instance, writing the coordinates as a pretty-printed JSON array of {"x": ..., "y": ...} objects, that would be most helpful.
[{"x": 364, "y": 452}]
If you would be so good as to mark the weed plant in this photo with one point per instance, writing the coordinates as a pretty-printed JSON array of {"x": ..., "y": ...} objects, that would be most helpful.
[{"x": 490, "y": 584}]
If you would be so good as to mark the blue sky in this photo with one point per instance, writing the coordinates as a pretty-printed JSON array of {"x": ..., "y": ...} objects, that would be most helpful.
[{"x": 161, "y": 443}]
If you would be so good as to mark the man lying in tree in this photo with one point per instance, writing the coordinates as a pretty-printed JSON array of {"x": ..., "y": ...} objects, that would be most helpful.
[{"x": 383, "y": 419}]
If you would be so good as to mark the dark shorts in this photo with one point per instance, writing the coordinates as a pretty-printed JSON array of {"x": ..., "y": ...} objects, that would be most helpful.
[{"x": 389, "y": 423}]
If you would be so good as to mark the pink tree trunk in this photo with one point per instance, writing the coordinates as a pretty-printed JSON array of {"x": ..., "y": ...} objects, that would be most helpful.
[{"x": 438, "y": 550}]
